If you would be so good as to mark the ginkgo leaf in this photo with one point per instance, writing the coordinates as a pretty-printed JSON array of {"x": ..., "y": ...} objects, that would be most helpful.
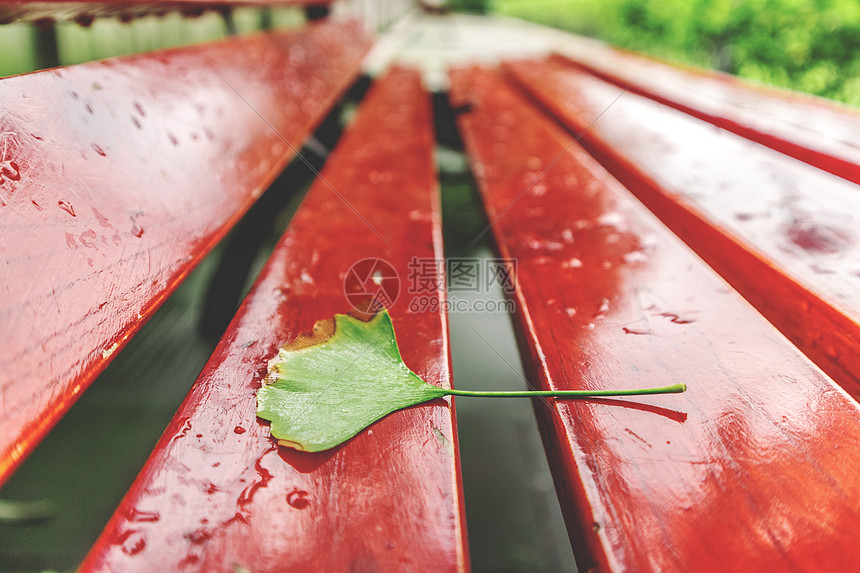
[
  {"x": 325, "y": 387},
  {"x": 318, "y": 396}
]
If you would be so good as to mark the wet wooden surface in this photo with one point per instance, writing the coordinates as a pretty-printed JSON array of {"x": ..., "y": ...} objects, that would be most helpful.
[
  {"x": 217, "y": 492},
  {"x": 815, "y": 130},
  {"x": 753, "y": 468},
  {"x": 785, "y": 234},
  {"x": 116, "y": 177}
]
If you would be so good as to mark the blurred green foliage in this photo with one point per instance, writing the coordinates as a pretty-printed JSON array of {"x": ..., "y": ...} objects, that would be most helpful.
[{"x": 807, "y": 45}]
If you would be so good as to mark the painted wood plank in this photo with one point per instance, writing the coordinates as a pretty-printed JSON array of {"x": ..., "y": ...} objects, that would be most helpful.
[
  {"x": 217, "y": 492},
  {"x": 786, "y": 235},
  {"x": 117, "y": 177},
  {"x": 821, "y": 132},
  {"x": 753, "y": 468},
  {"x": 84, "y": 11}
]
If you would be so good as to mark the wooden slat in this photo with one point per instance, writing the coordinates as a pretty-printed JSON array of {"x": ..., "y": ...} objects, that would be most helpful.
[
  {"x": 786, "y": 235},
  {"x": 820, "y": 132},
  {"x": 217, "y": 491},
  {"x": 753, "y": 468},
  {"x": 84, "y": 12},
  {"x": 117, "y": 177}
]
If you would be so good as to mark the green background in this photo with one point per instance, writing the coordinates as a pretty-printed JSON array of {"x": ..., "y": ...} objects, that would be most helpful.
[{"x": 807, "y": 45}]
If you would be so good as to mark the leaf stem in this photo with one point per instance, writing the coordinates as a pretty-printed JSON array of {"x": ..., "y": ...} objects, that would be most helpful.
[{"x": 672, "y": 389}]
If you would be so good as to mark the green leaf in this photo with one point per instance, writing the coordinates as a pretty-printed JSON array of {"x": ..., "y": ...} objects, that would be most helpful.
[
  {"x": 325, "y": 387},
  {"x": 319, "y": 395}
]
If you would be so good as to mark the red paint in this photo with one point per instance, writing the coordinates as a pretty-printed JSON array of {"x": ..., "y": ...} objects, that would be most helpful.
[
  {"x": 818, "y": 131},
  {"x": 387, "y": 500},
  {"x": 754, "y": 468},
  {"x": 118, "y": 232},
  {"x": 44, "y": 13},
  {"x": 786, "y": 235}
]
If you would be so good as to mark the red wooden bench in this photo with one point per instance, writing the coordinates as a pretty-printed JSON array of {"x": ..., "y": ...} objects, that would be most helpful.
[
  {"x": 817, "y": 131},
  {"x": 754, "y": 467},
  {"x": 785, "y": 234},
  {"x": 118, "y": 177},
  {"x": 387, "y": 500},
  {"x": 152, "y": 159}
]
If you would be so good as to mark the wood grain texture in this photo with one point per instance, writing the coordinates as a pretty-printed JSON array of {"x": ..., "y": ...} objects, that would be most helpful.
[
  {"x": 818, "y": 131},
  {"x": 217, "y": 492},
  {"x": 117, "y": 177},
  {"x": 753, "y": 468},
  {"x": 786, "y": 235},
  {"x": 42, "y": 11}
]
